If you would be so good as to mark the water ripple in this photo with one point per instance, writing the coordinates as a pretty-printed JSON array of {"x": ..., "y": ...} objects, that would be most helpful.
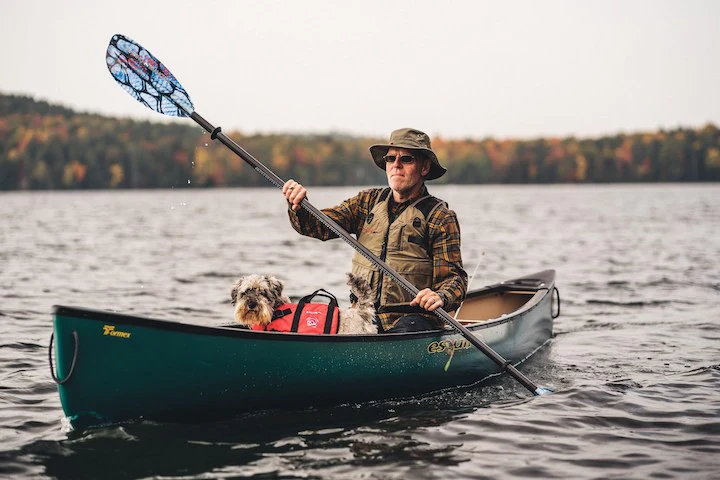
[{"x": 633, "y": 363}]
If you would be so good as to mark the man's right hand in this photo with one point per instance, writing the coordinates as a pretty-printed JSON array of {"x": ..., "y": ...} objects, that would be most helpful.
[{"x": 294, "y": 194}]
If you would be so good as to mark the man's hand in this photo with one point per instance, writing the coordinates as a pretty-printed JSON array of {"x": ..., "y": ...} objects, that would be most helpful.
[
  {"x": 294, "y": 193},
  {"x": 428, "y": 299}
]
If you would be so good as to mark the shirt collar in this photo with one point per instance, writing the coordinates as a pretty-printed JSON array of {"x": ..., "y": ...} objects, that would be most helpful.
[{"x": 423, "y": 193}]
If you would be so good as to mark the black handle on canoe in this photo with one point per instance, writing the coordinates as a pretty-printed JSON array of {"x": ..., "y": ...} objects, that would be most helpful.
[{"x": 74, "y": 360}]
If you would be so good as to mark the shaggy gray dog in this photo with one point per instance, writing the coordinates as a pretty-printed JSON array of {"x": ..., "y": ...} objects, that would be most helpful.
[{"x": 256, "y": 297}]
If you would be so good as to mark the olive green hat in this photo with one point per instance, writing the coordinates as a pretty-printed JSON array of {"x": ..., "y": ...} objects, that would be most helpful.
[{"x": 410, "y": 139}]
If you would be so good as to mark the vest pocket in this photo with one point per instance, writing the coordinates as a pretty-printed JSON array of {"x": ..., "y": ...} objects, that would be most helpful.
[
  {"x": 394, "y": 294},
  {"x": 364, "y": 269},
  {"x": 396, "y": 238}
]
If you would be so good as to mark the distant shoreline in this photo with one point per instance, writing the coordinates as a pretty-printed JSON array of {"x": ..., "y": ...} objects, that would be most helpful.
[{"x": 49, "y": 147}]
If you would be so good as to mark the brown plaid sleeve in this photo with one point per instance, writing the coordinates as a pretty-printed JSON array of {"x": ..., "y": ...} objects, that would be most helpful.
[
  {"x": 350, "y": 214},
  {"x": 449, "y": 278}
]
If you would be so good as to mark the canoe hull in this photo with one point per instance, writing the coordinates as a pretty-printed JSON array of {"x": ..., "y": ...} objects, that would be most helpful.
[{"x": 130, "y": 368}]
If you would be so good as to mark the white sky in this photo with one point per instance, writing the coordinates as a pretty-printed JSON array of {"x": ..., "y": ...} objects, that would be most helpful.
[{"x": 451, "y": 68}]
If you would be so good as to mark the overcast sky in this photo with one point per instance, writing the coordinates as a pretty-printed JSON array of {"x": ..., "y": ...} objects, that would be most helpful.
[{"x": 452, "y": 68}]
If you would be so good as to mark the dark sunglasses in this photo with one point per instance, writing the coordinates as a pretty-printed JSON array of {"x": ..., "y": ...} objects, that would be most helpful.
[{"x": 406, "y": 159}]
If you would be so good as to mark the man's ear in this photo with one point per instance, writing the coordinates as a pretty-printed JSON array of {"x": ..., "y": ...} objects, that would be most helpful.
[{"x": 427, "y": 165}]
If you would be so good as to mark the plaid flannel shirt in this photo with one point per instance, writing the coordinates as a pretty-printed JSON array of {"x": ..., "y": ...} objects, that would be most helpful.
[{"x": 449, "y": 278}]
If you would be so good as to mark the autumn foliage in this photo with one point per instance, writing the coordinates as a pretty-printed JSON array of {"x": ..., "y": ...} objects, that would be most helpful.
[{"x": 45, "y": 146}]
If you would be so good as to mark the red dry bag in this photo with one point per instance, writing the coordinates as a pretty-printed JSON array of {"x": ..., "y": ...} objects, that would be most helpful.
[{"x": 306, "y": 316}]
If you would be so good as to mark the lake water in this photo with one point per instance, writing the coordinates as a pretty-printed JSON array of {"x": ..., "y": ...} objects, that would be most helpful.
[{"x": 635, "y": 360}]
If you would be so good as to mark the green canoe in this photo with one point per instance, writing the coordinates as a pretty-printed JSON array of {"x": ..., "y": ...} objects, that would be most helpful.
[{"x": 111, "y": 368}]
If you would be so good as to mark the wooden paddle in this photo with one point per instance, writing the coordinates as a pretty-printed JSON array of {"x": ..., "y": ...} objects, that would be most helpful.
[{"x": 147, "y": 80}]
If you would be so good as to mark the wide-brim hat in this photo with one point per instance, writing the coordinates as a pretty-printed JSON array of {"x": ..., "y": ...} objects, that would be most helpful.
[{"x": 410, "y": 139}]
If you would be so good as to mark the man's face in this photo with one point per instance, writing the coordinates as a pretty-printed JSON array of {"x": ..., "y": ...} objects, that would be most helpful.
[{"x": 405, "y": 171}]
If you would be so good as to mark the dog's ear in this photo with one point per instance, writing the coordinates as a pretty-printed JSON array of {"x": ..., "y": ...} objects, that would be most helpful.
[
  {"x": 234, "y": 292},
  {"x": 276, "y": 286}
]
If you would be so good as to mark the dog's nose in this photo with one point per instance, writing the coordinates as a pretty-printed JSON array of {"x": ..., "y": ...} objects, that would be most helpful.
[{"x": 252, "y": 304}]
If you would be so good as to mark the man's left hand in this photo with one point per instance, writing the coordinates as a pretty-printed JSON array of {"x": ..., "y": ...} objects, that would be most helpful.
[{"x": 428, "y": 299}]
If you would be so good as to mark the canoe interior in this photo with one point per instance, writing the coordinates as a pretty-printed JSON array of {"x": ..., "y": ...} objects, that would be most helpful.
[{"x": 491, "y": 305}]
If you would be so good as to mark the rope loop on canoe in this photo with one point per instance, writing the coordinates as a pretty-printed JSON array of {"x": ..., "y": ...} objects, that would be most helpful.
[
  {"x": 556, "y": 295},
  {"x": 74, "y": 360}
]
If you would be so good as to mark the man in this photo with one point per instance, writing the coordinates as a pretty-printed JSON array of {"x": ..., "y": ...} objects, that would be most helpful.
[{"x": 416, "y": 234}]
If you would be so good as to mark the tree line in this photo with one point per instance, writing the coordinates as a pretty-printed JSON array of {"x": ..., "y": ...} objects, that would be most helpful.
[{"x": 45, "y": 146}]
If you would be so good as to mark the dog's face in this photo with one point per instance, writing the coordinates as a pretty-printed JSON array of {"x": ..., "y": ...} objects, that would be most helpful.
[{"x": 255, "y": 297}]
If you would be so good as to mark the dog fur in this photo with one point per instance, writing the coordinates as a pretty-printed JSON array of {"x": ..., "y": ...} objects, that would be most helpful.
[{"x": 255, "y": 297}]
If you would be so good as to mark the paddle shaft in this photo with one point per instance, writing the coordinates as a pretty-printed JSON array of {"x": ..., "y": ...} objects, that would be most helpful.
[{"x": 216, "y": 134}]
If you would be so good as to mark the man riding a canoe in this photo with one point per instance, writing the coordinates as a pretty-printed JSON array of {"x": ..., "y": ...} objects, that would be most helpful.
[{"x": 415, "y": 233}]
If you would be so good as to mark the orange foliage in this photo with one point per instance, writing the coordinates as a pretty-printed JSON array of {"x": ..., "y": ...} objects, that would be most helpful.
[
  {"x": 624, "y": 153},
  {"x": 557, "y": 150},
  {"x": 181, "y": 156},
  {"x": 90, "y": 151}
]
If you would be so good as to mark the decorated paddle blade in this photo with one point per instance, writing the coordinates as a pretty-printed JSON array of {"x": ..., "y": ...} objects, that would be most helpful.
[{"x": 146, "y": 79}]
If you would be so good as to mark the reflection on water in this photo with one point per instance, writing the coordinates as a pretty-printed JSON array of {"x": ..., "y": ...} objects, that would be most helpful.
[{"x": 634, "y": 361}]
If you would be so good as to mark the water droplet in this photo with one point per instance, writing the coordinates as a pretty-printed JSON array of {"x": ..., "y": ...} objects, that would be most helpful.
[
  {"x": 206, "y": 144},
  {"x": 188, "y": 181}
]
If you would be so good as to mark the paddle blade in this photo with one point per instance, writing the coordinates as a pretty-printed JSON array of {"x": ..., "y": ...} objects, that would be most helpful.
[{"x": 146, "y": 79}]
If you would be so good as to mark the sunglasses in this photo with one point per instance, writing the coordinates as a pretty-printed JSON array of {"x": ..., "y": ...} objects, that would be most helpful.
[{"x": 406, "y": 159}]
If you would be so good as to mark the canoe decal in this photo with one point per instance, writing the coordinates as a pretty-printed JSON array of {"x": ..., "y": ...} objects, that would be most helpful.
[
  {"x": 110, "y": 330},
  {"x": 448, "y": 346}
]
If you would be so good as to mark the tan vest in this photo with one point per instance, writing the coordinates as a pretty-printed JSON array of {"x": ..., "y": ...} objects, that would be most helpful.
[{"x": 402, "y": 245}]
